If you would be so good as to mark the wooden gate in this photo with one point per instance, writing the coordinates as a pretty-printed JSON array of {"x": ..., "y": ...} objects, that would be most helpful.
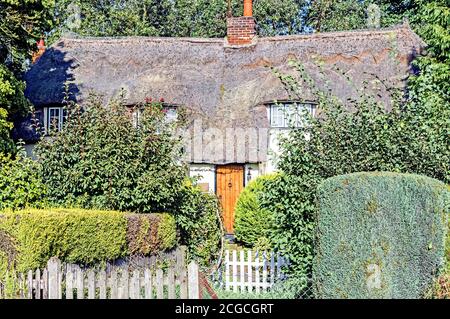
[{"x": 230, "y": 182}]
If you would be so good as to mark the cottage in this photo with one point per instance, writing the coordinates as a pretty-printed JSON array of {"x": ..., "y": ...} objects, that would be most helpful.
[{"x": 227, "y": 86}]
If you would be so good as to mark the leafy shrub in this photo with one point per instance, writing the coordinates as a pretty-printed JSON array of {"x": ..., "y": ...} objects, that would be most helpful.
[
  {"x": 198, "y": 220},
  {"x": 291, "y": 201},
  {"x": 20, "y": 182},
  {"x": 379, "y": 235},
  {"x": 253, "y": 223},
  {"x": 6, "y": 144},
  {"x": 407, "y": 136},
  {"x": 30, "y": 237},
  {"x": 105, "y": 162}
]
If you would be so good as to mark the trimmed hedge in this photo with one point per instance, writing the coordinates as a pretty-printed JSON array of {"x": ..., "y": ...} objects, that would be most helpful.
[
  {"x": 253, "y": 223},
  {"x": 379, "y": 235},
  {"x": 30, "y": 237},
  {"x": 150, "y": 233}
]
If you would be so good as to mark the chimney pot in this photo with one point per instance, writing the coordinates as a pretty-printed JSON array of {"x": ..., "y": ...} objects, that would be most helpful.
[
  {"x": 41, "y": 49},
  {"x": 40, "y": 43},
  {"x": 248, "y": 8}
]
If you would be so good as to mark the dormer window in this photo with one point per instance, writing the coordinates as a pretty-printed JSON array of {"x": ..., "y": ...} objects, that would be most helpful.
[
  {"x": 289, "y": 114},
  {"x": 54, "y": 118}
]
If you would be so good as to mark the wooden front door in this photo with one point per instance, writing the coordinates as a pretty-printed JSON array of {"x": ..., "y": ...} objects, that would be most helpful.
[{"x": 230, "y": 182}]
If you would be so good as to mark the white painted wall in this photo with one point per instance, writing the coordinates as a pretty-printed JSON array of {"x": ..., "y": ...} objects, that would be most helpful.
[
  {"x": 274, "y": 149},
  {"x": 206, "y": 173},
  {"x": 255, "y": 170}
]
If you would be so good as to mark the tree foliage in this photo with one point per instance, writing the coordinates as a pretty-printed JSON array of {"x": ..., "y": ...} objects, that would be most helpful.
[
  {"x": 20, "y": 182},
  {"x": 180, "y": 18},
  {"x": 6, "y": 144},
  {"x": 336, "y": 15},
  {"x": 21, "y": 23}
]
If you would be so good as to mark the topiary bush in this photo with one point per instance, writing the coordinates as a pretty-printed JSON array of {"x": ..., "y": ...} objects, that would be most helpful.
[
  {"x": 254, "y": 223},
  {"x": 379, "y": 235},
  {"x": 28, "y": 238}
]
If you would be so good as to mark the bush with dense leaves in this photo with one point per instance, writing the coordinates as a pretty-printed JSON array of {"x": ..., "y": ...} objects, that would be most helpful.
[
  {"x": 103, "y": 161},
  {"x": 6, "y": 144},
  {"x": 20, "y": 182},
  {"x": 198, "y": 219},
  {"x": 253, "y": 223},
  {"x": 30, "y": 237},
  {"x": 379, "y": 235}
]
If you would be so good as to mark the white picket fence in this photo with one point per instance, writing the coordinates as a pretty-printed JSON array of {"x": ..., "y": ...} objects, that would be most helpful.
[
  {"x": 69, "y": 281},
  {"x": 252, "y": 271}
]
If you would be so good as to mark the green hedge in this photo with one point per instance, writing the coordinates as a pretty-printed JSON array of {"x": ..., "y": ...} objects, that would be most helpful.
[
  {"x": 28, "y": 238},
  {"x": 253, "y": 223},
  {"x": 379, "y": 235}
]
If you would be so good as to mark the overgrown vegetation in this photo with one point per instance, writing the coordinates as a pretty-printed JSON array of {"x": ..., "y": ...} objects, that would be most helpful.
[
  {"x": 6, "y": 143},
  {"x": 253, "y": 223},
  {"x": 180, "y": 18},
  {"x": 20, "y": 182},
  {"x": 21, "y": 22},
  {"x": 411, "y": 138},
  {"x": 30, "y": 237},
  {"x": 379, "y": 235},
  {"x": 107, "y": 161}
]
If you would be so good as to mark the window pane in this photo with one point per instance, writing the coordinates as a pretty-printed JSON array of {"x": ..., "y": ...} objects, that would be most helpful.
[
  {"x": 53, "y": 119},
  {"x": 277, "y": 116},
  {"x": 171, "y": 114},
  {"x": 136, "y": 117},
  {"x": 290, "y": 115}
]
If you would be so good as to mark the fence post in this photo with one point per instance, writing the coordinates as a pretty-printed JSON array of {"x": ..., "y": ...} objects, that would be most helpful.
[
  {"x": 54, "y": 283},
  {"x": 193, "y": 281}
]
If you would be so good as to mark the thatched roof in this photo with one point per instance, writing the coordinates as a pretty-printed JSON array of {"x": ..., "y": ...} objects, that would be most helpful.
[{"x": 224, "y": 86}]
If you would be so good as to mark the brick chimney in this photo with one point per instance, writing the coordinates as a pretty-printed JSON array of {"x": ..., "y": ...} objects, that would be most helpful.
[
  {"x": 41, "y": 49},
  {"x": 241, "y": 30}
]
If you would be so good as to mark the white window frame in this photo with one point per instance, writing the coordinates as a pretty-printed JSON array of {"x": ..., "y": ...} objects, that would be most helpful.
[
  {"x": 279, "y": 114},
  {"x": 62, "y": 115},
  {"x": 171, "y": 114}
]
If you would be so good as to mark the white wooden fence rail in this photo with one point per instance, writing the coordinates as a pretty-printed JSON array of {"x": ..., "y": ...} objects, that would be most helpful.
[
  {"x": 69, "y": 281},
  {"x": 252, "y": 271}
]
